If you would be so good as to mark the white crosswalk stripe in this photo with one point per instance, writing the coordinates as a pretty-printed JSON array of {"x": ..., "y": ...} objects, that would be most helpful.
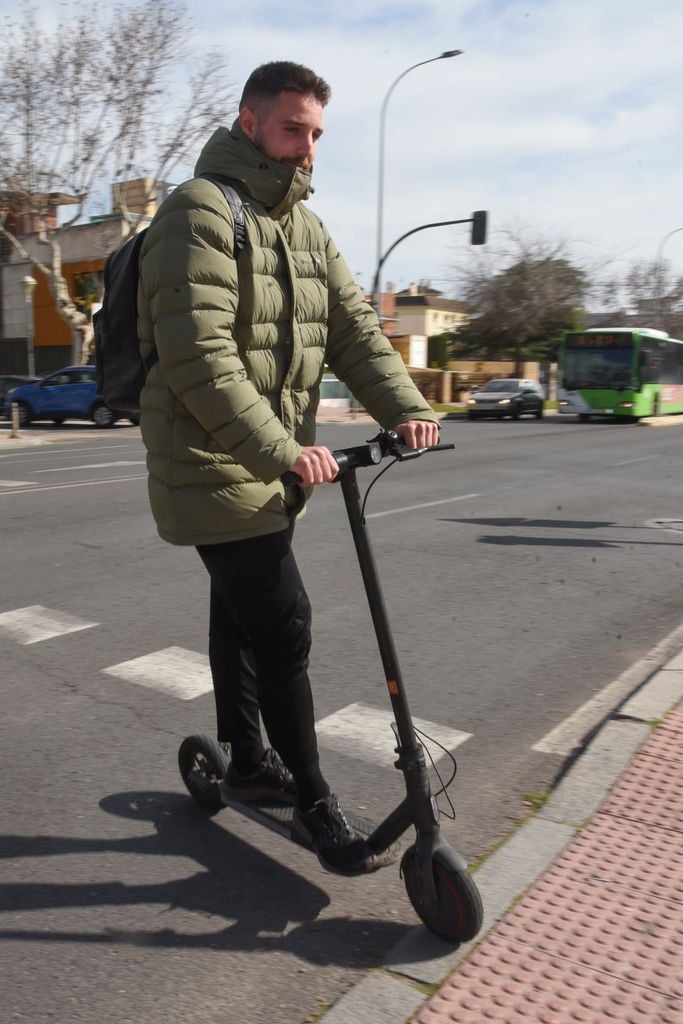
[
  {"x": 173, "y": 670},
  {"x": 365, "y": 733},
  {"x": 34, "y": 623},
  {"x": 357, "y": 730}
]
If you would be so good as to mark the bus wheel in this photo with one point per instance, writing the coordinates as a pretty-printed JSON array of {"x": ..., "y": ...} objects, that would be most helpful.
[{"x": 584, "y": 417}]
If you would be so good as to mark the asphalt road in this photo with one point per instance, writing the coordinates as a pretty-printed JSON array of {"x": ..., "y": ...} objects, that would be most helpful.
[{"x": 523, "y": 573}]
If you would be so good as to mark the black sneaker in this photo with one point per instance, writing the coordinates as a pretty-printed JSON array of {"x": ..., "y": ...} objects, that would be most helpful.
[
  {"x": 338, "y": 847},
  {"x": 270, "y": 781}
]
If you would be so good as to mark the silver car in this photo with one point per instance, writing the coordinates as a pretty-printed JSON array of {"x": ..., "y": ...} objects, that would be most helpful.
[{"x": 507, "y": 396}]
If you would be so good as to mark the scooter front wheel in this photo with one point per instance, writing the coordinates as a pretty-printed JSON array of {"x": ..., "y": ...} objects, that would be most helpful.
[
  {"x": 459, "y": 913},
  {"x": 203, "y": 765}
]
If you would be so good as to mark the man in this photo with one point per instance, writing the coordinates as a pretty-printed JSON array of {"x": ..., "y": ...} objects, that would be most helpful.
[{"x": 242, "y": 340}]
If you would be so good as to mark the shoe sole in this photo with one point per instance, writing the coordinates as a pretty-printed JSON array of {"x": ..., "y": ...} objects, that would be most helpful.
[{"x": 365, "y": 869}]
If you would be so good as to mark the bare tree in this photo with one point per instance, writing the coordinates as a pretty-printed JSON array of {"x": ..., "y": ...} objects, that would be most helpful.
[
  {"x": 96, "y": 99},
  {"x": 647, "y": 295},
  {"x": 522, "y": 295}
]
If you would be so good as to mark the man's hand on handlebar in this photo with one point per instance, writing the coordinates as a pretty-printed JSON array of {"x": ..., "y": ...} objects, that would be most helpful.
[
  {"x": 418, "y": 433},
  {"x": 315, "y": 465}
]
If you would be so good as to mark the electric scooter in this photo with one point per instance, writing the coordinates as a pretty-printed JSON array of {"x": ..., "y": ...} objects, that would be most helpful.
[{"x": 442, "y": 893}]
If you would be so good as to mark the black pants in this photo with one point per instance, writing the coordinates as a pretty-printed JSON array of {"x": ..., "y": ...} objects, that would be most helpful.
[{"x": 259, "y": 644}]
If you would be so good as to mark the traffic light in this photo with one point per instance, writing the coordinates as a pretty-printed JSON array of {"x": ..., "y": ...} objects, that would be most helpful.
[{"x": 479, "y": 220}]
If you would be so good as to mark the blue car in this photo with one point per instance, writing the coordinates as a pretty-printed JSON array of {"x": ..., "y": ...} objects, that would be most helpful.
[
  {"x": 8, "y": 381},
  {"x": 68, "y": 394}
]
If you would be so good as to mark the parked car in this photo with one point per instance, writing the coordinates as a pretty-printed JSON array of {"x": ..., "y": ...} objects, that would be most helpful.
[
  {"x": 509, "y": 396},
  {"x": 68, "y": 394},
  {"x": 9, "y": 381}
]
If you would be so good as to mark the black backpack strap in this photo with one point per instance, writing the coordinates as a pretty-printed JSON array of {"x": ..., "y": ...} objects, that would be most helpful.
[{"x": 236, "y": 207}]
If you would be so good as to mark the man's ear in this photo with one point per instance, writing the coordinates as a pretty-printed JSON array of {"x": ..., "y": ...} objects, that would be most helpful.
[{"x": 247, "y": 120}]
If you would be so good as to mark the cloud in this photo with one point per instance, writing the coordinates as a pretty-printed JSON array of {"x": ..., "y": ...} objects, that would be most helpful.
[{"x": 564, "y": 114}]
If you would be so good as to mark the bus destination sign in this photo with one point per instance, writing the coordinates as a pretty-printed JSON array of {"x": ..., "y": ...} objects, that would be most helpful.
[{"x": 598, "y": 340}]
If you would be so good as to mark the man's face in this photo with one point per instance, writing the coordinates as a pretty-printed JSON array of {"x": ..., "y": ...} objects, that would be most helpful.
[{"x": 285, "y": 129}]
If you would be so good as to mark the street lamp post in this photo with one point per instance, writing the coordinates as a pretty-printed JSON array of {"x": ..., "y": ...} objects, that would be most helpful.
[
  {"x": 659, "y": 268},
  {"x": 478, "y": 220},
  {"x": 28, "y": 285},
  {"x": 380, "y": 172},
  {"x": 660, "y": 247}
]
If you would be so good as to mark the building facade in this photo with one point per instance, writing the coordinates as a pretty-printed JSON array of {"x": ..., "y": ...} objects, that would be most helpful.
[
  {"x": 84, "y": 249},
  {"x": 425, "y": 311}
]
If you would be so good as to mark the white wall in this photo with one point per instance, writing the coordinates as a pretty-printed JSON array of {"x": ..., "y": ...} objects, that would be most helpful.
[{"x": 418, "y": 351}]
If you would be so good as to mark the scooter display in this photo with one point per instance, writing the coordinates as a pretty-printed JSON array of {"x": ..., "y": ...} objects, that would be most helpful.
[{"x": 435, "y": 876}]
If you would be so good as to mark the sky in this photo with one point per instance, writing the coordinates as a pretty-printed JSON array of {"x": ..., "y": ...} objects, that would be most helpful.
[{"x": 562, "y": 118}]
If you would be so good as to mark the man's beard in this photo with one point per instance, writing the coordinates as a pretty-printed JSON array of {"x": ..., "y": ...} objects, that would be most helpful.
[{"x": 287, "y": 161}]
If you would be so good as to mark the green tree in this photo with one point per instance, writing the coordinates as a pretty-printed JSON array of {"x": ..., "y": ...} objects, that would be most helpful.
[
  {"x": 520, "y": 310},
  {"x": 437, "y": 350}
]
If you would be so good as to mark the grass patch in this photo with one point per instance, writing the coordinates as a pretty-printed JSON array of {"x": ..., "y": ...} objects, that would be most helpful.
[
  {"x": 319, "y": 1014},
  {"x": 476, "y": 864},
  {"x": 448, "y": 406},
  {"x": 426, "y": 988},
  {"x": 536, "y": 799},
  {"x": 533, "y": 802}
]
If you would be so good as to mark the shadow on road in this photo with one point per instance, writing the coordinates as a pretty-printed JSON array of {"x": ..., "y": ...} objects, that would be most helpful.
[
  {"x": 258, "y": 897},
  {"x": 516, "y": 540}
]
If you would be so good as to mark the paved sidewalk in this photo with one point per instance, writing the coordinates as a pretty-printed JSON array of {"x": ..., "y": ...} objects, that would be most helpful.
[
  {"x": 595, "y": 886},
  {"x": 44, "y": 433},
  {"x": 599, "y": 937}
]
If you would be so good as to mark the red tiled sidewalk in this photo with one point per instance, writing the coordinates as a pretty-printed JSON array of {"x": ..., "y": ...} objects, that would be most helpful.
[{"x": 599, "y": 938}]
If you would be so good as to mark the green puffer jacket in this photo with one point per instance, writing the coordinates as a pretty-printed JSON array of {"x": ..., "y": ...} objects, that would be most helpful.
[{"x": 242, "y": 343}]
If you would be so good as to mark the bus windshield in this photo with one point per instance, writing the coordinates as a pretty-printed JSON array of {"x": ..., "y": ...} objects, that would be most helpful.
[{"x": 597, "y": 368}]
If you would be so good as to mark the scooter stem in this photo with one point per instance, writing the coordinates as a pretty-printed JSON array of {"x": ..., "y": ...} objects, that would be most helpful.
[
  {"x": 419, "y": 807},
  {"x": 404, "y": 723}
]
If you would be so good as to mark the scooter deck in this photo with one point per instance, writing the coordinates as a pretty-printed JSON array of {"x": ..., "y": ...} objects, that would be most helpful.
[{"x": 278, "y": 817}]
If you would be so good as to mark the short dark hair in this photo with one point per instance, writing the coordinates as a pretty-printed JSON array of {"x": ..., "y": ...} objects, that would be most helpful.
[{"x": 269, "y": 80}]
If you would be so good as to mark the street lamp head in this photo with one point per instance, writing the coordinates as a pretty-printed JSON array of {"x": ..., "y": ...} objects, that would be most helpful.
[{"x": 451, "y": 53}]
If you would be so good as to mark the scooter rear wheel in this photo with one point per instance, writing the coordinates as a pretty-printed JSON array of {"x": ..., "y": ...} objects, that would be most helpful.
[
  {"x": 459, "y": 913},
  {"x": 203, "y": 765}
]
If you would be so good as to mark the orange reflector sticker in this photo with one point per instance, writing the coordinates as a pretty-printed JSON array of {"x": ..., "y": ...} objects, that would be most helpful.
[{"x": 393, "y": 686}]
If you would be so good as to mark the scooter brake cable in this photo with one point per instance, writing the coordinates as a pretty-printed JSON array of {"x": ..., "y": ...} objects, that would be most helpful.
[
  {"x": 444, "y": 785},
  {"x": 372, "y": 484}
]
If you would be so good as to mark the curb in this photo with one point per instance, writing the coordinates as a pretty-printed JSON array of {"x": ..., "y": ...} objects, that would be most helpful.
[
  {"x": 34, "y": 438},
  {"x": 391, "y": 995},
  {"x": 324, "y": 418}
]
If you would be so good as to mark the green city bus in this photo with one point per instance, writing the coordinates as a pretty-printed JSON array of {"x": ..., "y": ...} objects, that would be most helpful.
[{"x": 619, "y": 372}]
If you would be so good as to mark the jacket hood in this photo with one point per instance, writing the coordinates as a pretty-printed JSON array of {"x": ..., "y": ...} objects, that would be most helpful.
[{"x": 278, "y": 186}]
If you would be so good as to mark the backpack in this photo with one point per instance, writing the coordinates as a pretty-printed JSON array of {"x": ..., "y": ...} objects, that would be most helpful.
[{"x": 120, "y": 370}]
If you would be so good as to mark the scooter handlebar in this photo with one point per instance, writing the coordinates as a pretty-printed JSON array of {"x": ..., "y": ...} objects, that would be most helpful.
[{"x": 387, "y": 443}]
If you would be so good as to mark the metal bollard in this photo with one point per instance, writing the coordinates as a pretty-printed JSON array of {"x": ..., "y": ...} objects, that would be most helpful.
[{"x": 14, "y": 432}]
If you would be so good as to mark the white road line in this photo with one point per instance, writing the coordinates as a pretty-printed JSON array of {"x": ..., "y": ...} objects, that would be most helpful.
[
  {"x": 35, "y": 623},
  {"x": 642, "y": 458},
  {"x": 20, "y": 453},
  {"x": 15, "y": 483},
  {"x": 173, "y": 670},
  {"x": 84, "y": 483},
  {"x": 365, "y": 733},
  {"x": 567, "y": 736},
  {"x": 426, "y": 504},
  {"x": 90, "y": 465}
]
